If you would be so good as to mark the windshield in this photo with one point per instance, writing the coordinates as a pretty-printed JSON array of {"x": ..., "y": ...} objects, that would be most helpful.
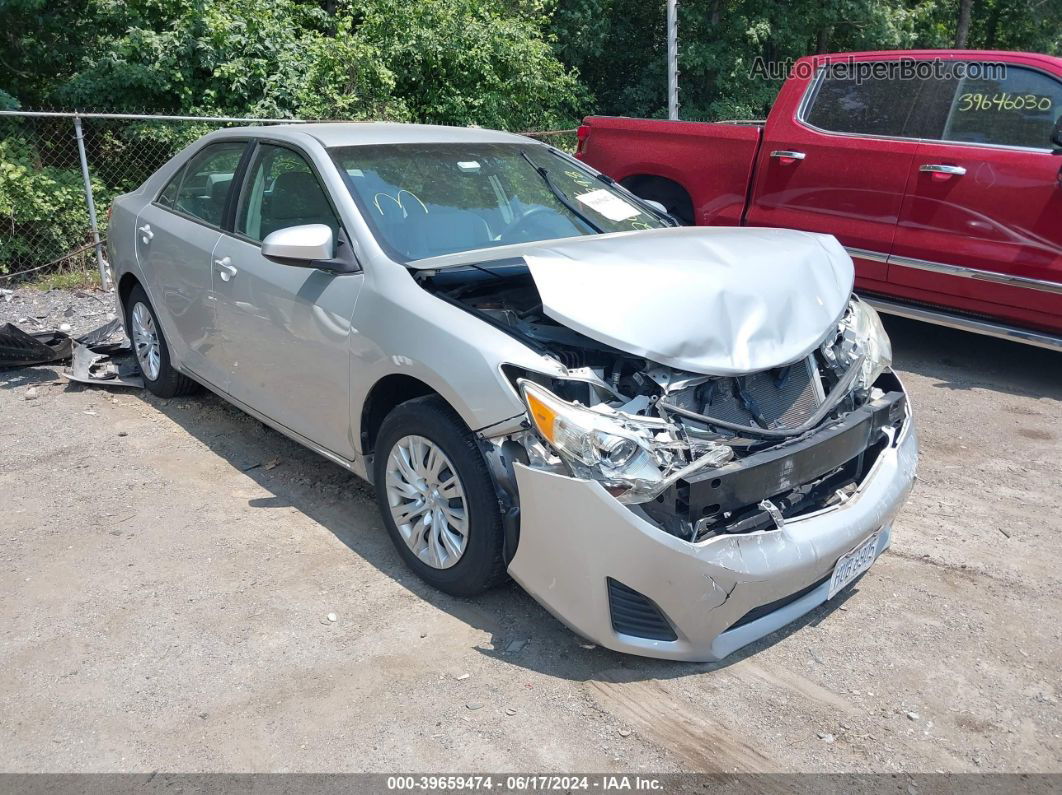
[{"x": 426, "y": 200}]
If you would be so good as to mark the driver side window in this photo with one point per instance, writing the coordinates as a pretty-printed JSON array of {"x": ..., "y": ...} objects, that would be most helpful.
[{"x": 281, "y": 191}]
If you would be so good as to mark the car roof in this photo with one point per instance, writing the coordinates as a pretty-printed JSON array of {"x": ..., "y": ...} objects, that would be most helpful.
[{"x": 332, "y": 134}]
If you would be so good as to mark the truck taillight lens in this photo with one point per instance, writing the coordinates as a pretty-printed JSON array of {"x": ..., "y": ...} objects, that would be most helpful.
[{"x": 583, "y": 134}]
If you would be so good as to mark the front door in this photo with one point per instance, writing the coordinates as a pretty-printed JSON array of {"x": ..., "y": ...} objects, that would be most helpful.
[
  {"x": 175, "y": 238},
  {"x": 283, "y": 329},
  {"x": 839, "y": 165},
  {"x": 981, "y": 225}
]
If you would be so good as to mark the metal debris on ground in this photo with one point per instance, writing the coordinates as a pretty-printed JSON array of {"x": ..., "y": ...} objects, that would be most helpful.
[{"x": 97, "y": 361}]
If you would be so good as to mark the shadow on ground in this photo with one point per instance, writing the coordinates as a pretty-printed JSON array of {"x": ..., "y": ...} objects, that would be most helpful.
[{"x": 960, "y": 360}]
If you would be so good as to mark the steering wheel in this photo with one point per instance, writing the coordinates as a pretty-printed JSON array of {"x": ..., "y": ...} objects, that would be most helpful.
[{"x": 518, "y": 223}]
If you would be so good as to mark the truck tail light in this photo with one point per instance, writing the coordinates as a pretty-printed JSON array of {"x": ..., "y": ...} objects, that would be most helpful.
[{"x": 583, "y": 134}]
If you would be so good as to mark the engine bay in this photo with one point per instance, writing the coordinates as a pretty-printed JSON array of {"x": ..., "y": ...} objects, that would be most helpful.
[{"x": 716, "y": 454}]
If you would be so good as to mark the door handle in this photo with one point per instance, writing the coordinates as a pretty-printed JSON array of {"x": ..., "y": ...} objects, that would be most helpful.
[
  {"x": 939, "y": 171},
  {"x": 226, "y": 270},
  {"x": 787, "y": 156},
  {"x": 145, "y": 233}
]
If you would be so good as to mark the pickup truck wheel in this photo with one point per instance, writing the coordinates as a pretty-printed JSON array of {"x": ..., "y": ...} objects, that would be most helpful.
[
  {"x": 437, "y": 498},
  {"x": 152, "y": 353}
]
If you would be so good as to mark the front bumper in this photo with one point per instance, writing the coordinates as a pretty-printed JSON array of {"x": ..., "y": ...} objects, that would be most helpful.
[{"x": 574, "y": 536}]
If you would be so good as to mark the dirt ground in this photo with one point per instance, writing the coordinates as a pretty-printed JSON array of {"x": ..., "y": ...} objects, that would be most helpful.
[{"x": 170, "y": 567}]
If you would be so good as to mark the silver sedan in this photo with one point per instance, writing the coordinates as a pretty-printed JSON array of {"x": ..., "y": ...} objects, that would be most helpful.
[{"x": 676, "y": 439}]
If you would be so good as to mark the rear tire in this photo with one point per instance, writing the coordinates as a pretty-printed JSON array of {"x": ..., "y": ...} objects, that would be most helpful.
[
  {"x": 152, "y": 352},
  {"x": 436, "y": 497}
]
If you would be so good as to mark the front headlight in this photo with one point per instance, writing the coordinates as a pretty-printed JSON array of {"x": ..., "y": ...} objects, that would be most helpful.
[
  {"x": 630, "y": 456},
  {"x": 860, "y": 333}
]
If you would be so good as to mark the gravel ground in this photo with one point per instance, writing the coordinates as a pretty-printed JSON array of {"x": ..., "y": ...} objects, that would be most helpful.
[
  {"x": 72, "y": 311},
  {"x": 170, "y": 567}
]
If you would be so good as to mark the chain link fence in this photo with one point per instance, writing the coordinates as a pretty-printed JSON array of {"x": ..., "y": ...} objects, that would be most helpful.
[{"x": 60, "y": 171}]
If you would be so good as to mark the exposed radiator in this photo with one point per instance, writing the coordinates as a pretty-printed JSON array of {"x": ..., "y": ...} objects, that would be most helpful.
[{"x": 781, "y": 398}]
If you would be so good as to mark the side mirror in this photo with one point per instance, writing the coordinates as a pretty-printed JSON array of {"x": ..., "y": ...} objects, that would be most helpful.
[{"x": 300, "y": 245}]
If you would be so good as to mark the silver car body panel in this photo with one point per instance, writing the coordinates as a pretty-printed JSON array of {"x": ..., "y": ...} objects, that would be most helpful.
[
  {"x": 573, "y": 536},
  {"x": 302, "y": 349},
  {"x": 701, "y": 299}
]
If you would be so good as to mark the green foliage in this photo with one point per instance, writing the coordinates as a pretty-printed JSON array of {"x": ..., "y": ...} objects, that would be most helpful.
[
  {"x": 511, "y": 64},
  {"x": 42, "y": 208},
  {"x": 619, "y": 48},
  {"x": 468, "y": 62}
]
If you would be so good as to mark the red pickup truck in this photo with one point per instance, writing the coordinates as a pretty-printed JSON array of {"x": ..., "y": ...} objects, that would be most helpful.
[{"x": 940, "y": 172}]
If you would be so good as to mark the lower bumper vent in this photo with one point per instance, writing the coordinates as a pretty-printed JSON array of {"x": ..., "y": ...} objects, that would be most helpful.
[{"x": 634, "y": 614}]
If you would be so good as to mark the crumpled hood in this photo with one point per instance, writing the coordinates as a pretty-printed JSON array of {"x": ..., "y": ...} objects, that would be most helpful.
[
  {"x": 719, "y": 301},
  {"x": 712, "y": 300}
]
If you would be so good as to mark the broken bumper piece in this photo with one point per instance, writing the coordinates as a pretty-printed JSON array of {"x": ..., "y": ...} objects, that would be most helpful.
[
  {"x": 99, "y": 362},
  {"x": 623, "y": 583}
]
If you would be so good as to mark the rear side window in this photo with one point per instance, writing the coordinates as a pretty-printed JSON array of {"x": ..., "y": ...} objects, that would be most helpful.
[
  {"x": 851, "y": 99},
  {"x": 202, "y": 187},
  {"x": 1012, "y": 106},
  {"x": 169, "y": 193}
]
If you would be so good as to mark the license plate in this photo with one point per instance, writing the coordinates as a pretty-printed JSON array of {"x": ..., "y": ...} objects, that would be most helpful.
[{"x": 852, "y": 564}]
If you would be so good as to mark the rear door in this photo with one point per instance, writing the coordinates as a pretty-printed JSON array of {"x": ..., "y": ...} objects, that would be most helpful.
[
  {"x": 284, "y": 329},
  {"x": 981, "y": 225},
  {"x": 175, "y": 236},
  {"x": 835, "y": 158}
]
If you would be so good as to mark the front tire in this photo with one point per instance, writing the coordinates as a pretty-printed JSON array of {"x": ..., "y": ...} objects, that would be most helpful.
[
  {"x": 437, "y": 498},
  {"x": 152, "y": 352}
]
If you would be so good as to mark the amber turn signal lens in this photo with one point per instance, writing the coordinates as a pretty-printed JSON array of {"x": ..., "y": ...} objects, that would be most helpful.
[{"x": 542, "y": 415}]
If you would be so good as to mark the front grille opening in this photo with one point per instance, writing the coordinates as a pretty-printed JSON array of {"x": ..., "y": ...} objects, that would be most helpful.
[{"x": 633, "y": 613}]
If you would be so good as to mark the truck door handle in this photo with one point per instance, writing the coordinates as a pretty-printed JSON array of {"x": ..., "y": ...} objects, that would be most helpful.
[
  {"x": 787, "y": 156},
  {"x": 145, "y": 233},
  {"x": 939, "y": 171},
  {"x": 226, "y": 270}
]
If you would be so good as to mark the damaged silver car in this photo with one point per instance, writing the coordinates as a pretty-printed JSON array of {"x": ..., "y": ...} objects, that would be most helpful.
[{"x": 677, "y": 440}]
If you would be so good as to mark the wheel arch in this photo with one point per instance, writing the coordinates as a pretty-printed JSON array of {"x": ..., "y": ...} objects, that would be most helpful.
[
  {"x": 125, "y": 286},
  {"x": 671, "y": 193},
  {"x": 386, "y": 394}
]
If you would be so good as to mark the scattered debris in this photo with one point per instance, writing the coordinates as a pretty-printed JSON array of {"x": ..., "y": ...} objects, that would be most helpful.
[
  {"x": 624, "y": 732},
  {"x": 826, "y": 737},
  {"x": 273, "y": 464},
  {"x": 510, "y": 711},
  {"x": 19, "y": 349},
  {"x": 912, "y": 716},
  {"x": 97, "y": 361},
  {"x": 333, "y": 617},
  {"x": 31, "y": 393},
  {"x": 462, "y": 677},
  {"x": 515, "y": 647},
  {"x": 1004, "y": 532},
  {"x": 474, "y": 705}
]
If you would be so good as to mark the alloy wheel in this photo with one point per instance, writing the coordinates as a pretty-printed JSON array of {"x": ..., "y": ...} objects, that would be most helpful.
[
  {"x": 146, "y": 341},
  {"x": 427, "y": 501}
]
